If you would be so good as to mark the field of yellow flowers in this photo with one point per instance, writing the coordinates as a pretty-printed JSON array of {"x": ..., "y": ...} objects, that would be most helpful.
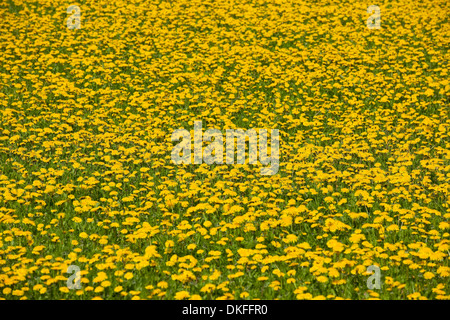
[{"x": 86, "y": 177}]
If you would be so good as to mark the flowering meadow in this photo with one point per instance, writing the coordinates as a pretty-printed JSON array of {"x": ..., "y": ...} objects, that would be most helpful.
[{"x": 86, "y": 177}]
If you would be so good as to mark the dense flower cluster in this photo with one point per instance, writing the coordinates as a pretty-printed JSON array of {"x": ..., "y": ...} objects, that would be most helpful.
[{"x": 86, "y": 177}]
